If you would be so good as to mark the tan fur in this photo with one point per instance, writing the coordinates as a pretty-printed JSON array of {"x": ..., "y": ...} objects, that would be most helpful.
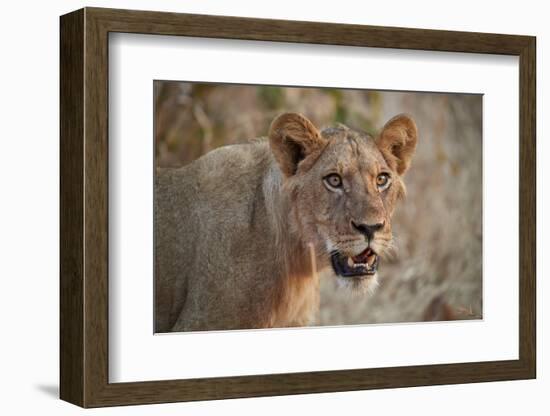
[{"x": 236, "y": 229}]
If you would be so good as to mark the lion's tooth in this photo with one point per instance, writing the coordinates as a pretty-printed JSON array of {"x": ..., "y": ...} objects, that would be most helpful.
[
  {"x": 350, "y": 262},
  {"x": 371, "y": 260}
]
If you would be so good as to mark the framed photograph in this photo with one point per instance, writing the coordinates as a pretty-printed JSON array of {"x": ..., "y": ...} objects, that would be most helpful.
[{"x": 255, "y": 207}]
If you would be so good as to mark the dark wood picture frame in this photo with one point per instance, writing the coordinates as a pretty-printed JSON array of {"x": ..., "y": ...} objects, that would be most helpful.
[{"x": 84, "y": 207}]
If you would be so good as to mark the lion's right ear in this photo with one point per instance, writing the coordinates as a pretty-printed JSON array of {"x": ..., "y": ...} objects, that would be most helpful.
[{"x": 293, "y": 139}]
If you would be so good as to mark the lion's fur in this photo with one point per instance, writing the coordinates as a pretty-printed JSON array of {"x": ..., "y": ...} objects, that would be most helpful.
[{"x": 235, "y": 229}]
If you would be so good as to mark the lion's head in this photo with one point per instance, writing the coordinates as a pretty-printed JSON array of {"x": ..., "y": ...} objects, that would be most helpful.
[{"x": 343, "y": 186}]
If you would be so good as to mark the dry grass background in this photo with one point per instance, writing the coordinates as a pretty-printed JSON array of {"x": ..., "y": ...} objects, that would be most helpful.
[{"x": 436, "y": 272}]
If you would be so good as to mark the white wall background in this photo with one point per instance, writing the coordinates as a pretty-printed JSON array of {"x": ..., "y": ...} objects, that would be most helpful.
[{"x": 29, "y": 206}]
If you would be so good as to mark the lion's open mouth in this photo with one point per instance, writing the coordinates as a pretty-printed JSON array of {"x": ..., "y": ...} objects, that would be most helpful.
[{"x": 362, "y": 265}]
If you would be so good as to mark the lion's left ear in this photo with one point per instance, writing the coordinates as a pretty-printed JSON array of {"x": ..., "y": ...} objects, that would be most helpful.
[{"x": 397, "y": 142}]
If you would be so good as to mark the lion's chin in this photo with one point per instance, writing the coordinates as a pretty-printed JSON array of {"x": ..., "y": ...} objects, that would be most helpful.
[{"x": 363, "y": 285}]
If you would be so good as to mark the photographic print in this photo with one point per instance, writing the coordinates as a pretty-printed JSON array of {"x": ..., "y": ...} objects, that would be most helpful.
[{"x": 282, "y": 206}]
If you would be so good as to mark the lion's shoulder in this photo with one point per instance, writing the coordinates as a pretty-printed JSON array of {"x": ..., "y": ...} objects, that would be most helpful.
[{"x": 226, "y": 183}]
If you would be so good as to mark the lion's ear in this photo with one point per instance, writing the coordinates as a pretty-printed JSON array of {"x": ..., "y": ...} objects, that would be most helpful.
[
  {"x": 397, "y": 142},
  {"x": 293, "y": 138}
]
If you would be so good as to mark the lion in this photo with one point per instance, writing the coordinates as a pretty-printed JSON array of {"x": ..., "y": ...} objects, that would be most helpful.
[{"x": 244, "y": 233}]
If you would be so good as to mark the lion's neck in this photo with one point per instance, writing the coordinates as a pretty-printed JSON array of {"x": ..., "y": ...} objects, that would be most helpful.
[
  {"x": 298, "y": 283},
  {"x": 285, "y": 227}
]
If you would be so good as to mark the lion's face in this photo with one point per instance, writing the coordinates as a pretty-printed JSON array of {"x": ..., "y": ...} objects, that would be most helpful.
[
  {"x": 349, "y": 200},
  {"x": 344, "y": 186}
]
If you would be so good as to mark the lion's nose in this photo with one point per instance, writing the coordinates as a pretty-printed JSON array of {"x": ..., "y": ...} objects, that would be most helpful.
[{"x": 368, "y": 230}]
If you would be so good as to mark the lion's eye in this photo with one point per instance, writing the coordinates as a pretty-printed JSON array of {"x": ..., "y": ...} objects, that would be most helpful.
[
  {"x": 383, "y": 181},
  {"x": 333, "y": 180}
]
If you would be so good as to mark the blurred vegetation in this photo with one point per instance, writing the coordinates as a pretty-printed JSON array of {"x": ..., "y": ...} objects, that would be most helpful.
[
  {"x": 192, "y": 119},
  {"x": 436, "y": 273}
]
